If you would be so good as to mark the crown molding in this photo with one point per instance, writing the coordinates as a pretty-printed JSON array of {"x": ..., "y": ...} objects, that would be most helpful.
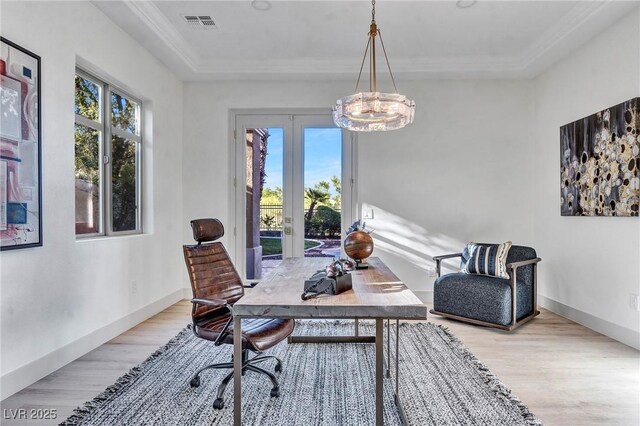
[
  {"x": 155, "y": 20},
  {"x": 339, "y": 68},
  {"x": 523, "y": 65},
  {"x": 568, "y": 23}
]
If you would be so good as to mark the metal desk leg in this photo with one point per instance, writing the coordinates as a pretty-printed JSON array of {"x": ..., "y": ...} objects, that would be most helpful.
[
  {"x": 403, "y": 416},
  {"x": 388, "y": 350},
  {"x": 356, "y": 338},
  {"x": 237, "y": 371},
  {"x": 379, "y": 372},
  {"x": 397, "y": 361}
]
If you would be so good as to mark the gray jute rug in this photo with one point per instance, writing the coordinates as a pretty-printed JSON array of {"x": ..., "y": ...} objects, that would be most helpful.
[{"x": 442, "y": 383}]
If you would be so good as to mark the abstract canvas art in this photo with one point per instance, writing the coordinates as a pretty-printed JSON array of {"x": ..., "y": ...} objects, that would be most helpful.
[
  {"x": 600, "y": 162},
  {"x": 20, "y": 142}
]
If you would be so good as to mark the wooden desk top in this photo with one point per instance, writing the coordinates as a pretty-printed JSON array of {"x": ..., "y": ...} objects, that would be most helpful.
[{"x": 376, "y": 293}]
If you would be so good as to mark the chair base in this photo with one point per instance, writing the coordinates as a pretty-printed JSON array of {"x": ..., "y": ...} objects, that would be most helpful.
[
  {"x": 510, "y": 327},
  {"x": 247, "y": 365}
]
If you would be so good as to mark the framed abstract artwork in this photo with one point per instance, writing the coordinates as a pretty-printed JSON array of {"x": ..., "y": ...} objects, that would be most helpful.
[
  {"x": 600, "y": 162},
  {"x": 20, "y": 148}
]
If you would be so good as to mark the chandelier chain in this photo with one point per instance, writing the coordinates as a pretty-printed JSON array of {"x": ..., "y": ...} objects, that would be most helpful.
[
  {"x": 373, "y": 111},
  {"x": 364, "y": 58},
  {"x": 393, "y": 80}
]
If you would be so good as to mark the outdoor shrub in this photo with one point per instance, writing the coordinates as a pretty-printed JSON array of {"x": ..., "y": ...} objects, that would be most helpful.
[
  {"x": 268, "y": 221},
  {"x": 326, "y": 222}
]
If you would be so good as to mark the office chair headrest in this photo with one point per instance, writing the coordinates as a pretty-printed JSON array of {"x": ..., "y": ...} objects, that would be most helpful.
[{"x": 205, "y": 230}]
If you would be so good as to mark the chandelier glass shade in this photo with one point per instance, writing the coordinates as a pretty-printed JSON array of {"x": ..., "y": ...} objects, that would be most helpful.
[{"x": 373, "y": 111}]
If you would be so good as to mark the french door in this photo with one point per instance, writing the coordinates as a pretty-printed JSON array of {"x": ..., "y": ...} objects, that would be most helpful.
[{"x": 294, "y": 189}]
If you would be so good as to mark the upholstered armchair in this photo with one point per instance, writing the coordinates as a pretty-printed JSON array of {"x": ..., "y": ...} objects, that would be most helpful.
[{"x": 488, "y": 300}]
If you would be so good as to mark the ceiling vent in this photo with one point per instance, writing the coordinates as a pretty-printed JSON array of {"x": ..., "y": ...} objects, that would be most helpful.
[{"x": 200, "y": 21}]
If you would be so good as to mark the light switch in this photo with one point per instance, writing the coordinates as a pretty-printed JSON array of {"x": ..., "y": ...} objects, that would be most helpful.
[{"x": 367, "y": 214}]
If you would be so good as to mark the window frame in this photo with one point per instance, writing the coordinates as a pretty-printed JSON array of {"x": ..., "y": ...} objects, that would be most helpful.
[{"x": 107, "y": 130}]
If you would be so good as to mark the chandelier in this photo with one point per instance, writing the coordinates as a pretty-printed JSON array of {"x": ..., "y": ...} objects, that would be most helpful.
[{"x": 373, "y": 111}]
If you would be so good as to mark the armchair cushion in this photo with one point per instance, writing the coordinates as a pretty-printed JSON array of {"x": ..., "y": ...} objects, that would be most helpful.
[
  {"x": 481, "y": 297},
  {"x": 487, "y": 259},
  {"x": 487, "y": 298}
]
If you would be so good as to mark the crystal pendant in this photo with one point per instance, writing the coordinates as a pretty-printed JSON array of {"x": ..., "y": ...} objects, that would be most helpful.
[{"x": 373, "y": 111}]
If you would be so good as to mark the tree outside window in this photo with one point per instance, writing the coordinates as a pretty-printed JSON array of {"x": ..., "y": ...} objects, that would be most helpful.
[{"x": 107, "y": 159}]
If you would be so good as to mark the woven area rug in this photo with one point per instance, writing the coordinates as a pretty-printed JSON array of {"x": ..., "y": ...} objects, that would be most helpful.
[{"x": 442, "y": 383}]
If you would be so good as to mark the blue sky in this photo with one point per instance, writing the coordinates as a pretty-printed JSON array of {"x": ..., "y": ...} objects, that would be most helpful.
[{"x": 322, "y": 159}]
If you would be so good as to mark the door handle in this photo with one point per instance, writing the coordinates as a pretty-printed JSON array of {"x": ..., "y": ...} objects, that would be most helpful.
[{"x": 288, "y": 230}]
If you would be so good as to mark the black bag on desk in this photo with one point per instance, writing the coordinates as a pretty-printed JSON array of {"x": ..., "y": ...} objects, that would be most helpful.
[{"x": 322, "y": 283}]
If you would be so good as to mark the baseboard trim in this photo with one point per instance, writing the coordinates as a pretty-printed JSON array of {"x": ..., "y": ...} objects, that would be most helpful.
[
  {"x": 187, "y": 294},
  {"x": 615, "y": 331},
  {"x": 23, "y": 376}
]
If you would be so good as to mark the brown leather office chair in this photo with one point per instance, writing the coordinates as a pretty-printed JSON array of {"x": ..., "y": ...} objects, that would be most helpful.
[{"x": 216, "y": 287}]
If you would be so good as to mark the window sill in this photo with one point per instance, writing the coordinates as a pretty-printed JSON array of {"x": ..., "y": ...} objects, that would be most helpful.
[{"x": 110, "y": 237}]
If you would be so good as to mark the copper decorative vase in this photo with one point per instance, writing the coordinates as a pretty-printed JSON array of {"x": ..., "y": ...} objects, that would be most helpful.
[{"x": 359, "y": 245}]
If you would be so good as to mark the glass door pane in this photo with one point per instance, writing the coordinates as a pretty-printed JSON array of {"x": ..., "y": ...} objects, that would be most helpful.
[
  {"x": 289, "y": 196},
  {"x": 264, "y": 202},
  {"x": 322, "y": 148}
]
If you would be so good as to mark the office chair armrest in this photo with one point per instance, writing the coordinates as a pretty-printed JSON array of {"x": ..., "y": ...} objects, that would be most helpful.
[
  {"x": 221, "y": 303},
  {"x": 439, "y": 259},
  {"x": 223, "y": 332},
  {"x": 209, "y": 302},
  {"x": 515, "y": 265},
  {"x": 218, "y": 303}
]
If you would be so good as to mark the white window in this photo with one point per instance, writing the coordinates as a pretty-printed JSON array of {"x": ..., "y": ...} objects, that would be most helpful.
[{"x": 107, "y": 159}]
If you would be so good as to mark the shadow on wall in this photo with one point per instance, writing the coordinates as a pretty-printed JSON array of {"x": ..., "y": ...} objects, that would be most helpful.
[{"x": 410, "y": 242}]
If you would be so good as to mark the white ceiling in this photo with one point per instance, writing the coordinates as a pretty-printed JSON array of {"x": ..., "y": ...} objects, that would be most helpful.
[{"x": 326, "y": 39}]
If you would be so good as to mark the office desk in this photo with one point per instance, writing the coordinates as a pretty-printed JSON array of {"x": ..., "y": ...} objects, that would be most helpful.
[{"x": 376, "y": 294}]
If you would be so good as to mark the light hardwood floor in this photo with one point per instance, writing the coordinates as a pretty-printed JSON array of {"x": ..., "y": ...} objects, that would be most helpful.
[{"x": 566, "y": 373}]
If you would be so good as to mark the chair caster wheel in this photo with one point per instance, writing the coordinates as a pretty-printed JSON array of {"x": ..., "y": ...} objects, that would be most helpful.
[
  {"x": 278, "y": 368},
  {"x": 195, "y": 382},
  {"x": 218, "y": 404},
  {"x": 275, "y": 392}
]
